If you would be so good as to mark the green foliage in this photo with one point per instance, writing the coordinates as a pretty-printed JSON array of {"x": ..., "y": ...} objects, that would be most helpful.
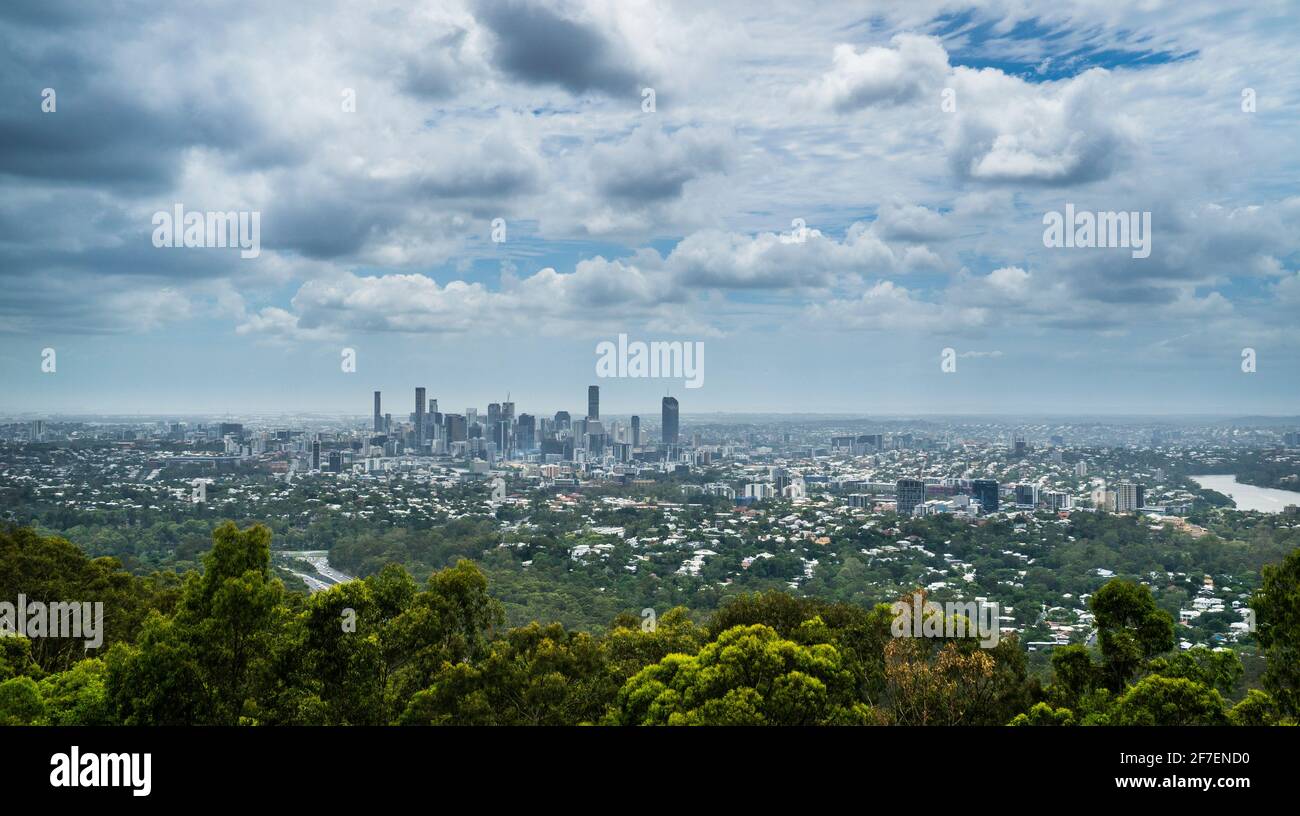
[
  {"x": 20, "y": 702},
  {"x": 1044, "y": 714},
  {"x": 750, "y": 675},
  {"x": 1156, "y": 700},
  {"x": 1277, "y": 610},
  {"x": 1130, "y": 629},
  {"x": 229, "y": 645}
]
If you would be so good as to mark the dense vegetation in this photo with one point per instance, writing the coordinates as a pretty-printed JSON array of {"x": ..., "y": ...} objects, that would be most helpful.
[{"x": 230, "y": 645}]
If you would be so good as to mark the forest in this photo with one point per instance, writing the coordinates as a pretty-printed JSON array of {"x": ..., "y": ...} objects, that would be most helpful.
[{"x": 229, "y": 644}]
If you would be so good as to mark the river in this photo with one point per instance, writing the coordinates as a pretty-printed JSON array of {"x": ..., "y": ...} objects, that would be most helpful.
[{"x": 1249, "y": 497}]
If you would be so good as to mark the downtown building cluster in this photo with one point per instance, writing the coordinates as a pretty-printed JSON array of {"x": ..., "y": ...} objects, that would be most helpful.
[{"x": 501, "y": 434}]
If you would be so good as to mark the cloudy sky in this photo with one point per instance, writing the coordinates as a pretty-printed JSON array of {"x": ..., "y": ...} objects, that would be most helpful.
[{"x": 921, "y": 144}]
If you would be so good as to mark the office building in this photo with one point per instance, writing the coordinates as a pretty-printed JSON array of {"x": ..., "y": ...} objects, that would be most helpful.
[
  {"x": 379, "y": 421},
  {"x": 1129, "y": 497},
  {"x": 985, "y": 492},
  {"x": 1026, "y": 495},
  {"x": 908, "y": 493},
  {"x": 593, "y": 402},
  {"x": 419, "y": 420},
  {"x": 669, "y": 422}
]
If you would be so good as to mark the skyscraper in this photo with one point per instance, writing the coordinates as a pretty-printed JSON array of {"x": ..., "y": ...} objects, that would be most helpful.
[
  {"x": 593, "y": 402},
  {"x": 636, "y": 431},
  {"x": 379, "y": 420},
  {"x": 419, "y": 419},
  {"x": 908, "y": 493},
  {"x": 986, "y": 491},
  {"x": 562, "y": 420},
  {"x": 669, "y": 421},
  {"x": 527, "y": 435},
  {"x": 315, "y": 454},
  {"x": 1129, "y": 497}
]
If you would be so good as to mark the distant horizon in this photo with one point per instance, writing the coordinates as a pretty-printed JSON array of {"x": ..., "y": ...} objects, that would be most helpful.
[{"x": 684, "y": 414}]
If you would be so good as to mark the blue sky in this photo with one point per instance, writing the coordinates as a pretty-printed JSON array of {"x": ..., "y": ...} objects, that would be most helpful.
[{"x": 920, "y": 144}]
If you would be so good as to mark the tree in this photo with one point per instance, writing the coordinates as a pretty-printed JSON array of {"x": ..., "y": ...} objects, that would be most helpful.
[
  {"x": 750, "y": 675},
  {"x": 535, "y": 675},
  {"x": 1216, "y": 669},
  {"x": 1044, "y": 714},
  {"x": 1257, "y": 708},
  {"x": 78, "y": 696},
  {"x": 20, "y": 702},
  {"x": 1156, "y": 700},
  {"x": 946, "y": 688},
  {"x": 204, "y": 665},
  {"x": 1130, "y": 629},
  {"x": 1277, "y": 611},
  {"x": 1073, "y": 674}
]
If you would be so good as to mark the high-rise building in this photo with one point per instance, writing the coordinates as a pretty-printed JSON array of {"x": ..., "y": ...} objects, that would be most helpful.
[
  {"x": 669, "y": 421},
  {"x": 1026, "y": 495},
  {"x": 419, "y": 419},
  {"x": 562, "y": 421},
  {"x": 527, "y": 434},
  {"x": 986, "y": 491},
  {"x": 315, "y": 454},
  {"x": 908, "y": 493},
  {"x": 636, "y": 431},
  {"x": 379, "y": 420},
  {"x": 593, "y": 402},
  {"x": 1129, "y": 497},
  {"x": 1057, "y": 500},
  {"x": 1104, "y": 499}
]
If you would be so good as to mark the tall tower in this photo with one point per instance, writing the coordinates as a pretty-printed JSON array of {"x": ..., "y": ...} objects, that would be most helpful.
[
  {"x": 379, "y": 419},
  {"x": 593, "y": 402},
  {"x": 636, "y": 431},
  {"x": 908, "y": 493},
  {"x": 419, "y": 419},
  {"x": 669, "y": 422}
]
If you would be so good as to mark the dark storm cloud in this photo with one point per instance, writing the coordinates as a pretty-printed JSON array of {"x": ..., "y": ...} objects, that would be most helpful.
[
  {"x": 104, "y": 130},
  {"x": 538, "y": 46}
]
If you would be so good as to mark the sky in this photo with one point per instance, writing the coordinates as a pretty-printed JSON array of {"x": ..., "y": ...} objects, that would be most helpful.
[{"x": 471, "y": 196}]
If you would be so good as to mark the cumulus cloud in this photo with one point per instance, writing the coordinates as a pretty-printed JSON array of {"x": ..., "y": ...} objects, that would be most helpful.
[
  {"x": 1007, "y": 130},
  {"x": 911, "y": 66},
  {"x": 768, "y": 260}
]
